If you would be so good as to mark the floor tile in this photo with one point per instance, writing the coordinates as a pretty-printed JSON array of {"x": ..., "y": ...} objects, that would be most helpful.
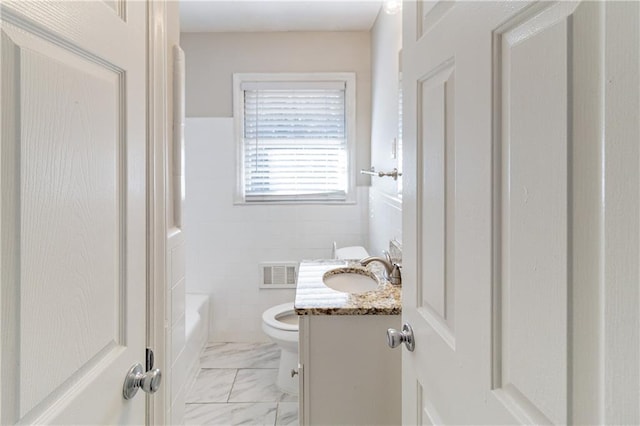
[
  {"x": 212, "y": 385},
  {"x": 240, "y": 355},
  {"x": 258, "y": 385},
  {"x": 231, "y": 414},
  {"x": 287, "y": 414}
]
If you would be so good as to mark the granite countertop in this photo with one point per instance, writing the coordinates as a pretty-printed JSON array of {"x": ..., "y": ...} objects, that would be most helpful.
[{"x": 315, "y": 298}]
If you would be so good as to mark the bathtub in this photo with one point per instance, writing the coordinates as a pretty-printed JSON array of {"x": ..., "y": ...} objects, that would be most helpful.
[{"x": 196, "y": 328}]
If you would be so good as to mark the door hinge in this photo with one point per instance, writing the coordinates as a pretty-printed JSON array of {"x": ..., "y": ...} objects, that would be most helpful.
[{"x": 149, "y": 359}]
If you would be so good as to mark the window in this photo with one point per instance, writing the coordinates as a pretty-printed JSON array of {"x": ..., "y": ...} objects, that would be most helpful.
[{"x": 295, "y": 137}]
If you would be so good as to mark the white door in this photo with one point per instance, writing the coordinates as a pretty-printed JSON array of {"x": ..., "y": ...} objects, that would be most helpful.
[
  {"x": 73, "y": 210},
  {"x": 521, "y": 217}
]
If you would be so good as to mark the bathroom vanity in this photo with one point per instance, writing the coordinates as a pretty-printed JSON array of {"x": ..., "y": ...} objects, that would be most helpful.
[{"x": 347, "y": 373}]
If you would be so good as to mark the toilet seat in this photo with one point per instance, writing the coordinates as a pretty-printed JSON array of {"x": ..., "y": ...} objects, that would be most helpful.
[{"x": 272, "y": 316}]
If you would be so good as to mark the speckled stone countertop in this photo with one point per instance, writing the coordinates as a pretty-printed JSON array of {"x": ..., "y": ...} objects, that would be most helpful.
[{"x": 315, "y": 298}]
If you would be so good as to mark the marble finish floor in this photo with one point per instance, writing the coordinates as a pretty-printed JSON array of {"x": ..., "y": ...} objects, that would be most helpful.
[{"x": 236, "y": 385}]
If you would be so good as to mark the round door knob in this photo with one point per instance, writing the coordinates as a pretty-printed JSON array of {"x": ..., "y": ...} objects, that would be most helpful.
[
  {"x": 395, "y": 337},
  {"x": 151, "y": 381},
  {"x": 136, "y": 379}
]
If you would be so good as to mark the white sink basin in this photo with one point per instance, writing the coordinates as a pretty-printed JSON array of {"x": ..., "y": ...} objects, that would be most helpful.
[{"x": 350, "y": 280}]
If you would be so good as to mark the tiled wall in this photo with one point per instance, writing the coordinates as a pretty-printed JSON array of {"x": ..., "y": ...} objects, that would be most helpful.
[
  {"x": 385, "y": 219},
  {"x": 385, "y": 205},
  {"x": 225, "y": 242},
  {"x": 176, "y": 280}
]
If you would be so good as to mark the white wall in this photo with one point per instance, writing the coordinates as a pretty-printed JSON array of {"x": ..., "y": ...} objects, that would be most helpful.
[
  {"x": 225, "y": 242},
  {"x": 385, "y": 207}
]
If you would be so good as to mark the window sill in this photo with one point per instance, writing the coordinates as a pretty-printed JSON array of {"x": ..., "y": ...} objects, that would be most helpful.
[{"x": 296, "y": 203}]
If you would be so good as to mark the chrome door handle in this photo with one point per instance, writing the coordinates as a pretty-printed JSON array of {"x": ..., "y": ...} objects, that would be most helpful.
[
  {"x": 395, "y": 337},
  {"x": 137, "y": 379}
]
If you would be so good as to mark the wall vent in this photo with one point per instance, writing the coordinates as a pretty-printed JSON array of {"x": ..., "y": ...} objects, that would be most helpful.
[{"x": 278, "y": 274}]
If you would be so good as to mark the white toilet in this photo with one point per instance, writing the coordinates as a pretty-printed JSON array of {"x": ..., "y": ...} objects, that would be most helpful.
[{"x": 280, "y": 323}]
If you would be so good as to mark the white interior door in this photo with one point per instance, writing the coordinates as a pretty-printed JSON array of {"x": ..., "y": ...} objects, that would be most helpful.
[
  {"x": 73, "y": 210},
  {"x": 521, "y": 212}
]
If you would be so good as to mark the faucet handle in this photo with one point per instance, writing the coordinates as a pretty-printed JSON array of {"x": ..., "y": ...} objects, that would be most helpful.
[
  {"x": 387, "y": 256},
  {"x": 395, "y": 277}
]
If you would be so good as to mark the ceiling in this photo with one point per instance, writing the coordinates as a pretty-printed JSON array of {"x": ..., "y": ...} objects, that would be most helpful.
[{"x": 277, "y": 15}]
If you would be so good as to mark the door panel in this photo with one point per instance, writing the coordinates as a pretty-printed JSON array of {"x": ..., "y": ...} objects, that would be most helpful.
[
  {"x": 73, "y": 211},
  {"x": 437, "y": 141},
  {"x": 507, "y": 194},
  {"x": 71, "y": 226},
  {"x": 533, "y": 281}
]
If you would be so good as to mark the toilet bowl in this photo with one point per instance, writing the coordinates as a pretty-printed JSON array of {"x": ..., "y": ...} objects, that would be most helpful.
[{"x": 280, "y": 323}]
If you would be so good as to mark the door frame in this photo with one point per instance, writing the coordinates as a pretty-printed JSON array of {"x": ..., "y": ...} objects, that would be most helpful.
[{"x": 158, "y": 104}]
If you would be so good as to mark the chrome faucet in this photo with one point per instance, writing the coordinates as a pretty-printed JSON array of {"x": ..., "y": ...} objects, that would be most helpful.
[{"x": 392, "y": 270}]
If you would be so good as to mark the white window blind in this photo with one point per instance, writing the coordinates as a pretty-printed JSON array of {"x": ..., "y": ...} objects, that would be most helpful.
[{"x": 294, "y": 141}]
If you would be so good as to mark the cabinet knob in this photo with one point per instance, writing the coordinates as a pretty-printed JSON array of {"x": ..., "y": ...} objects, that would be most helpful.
[
  {"x": 395, "y": 337},
  {"x": 293, "y": 372}
]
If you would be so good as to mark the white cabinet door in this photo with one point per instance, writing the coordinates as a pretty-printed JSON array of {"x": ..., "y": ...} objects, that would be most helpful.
[
  {"x": 521, "y": 217},
  {"x": 351, "y": 377},
  {"x": 72, "y": 218}
]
